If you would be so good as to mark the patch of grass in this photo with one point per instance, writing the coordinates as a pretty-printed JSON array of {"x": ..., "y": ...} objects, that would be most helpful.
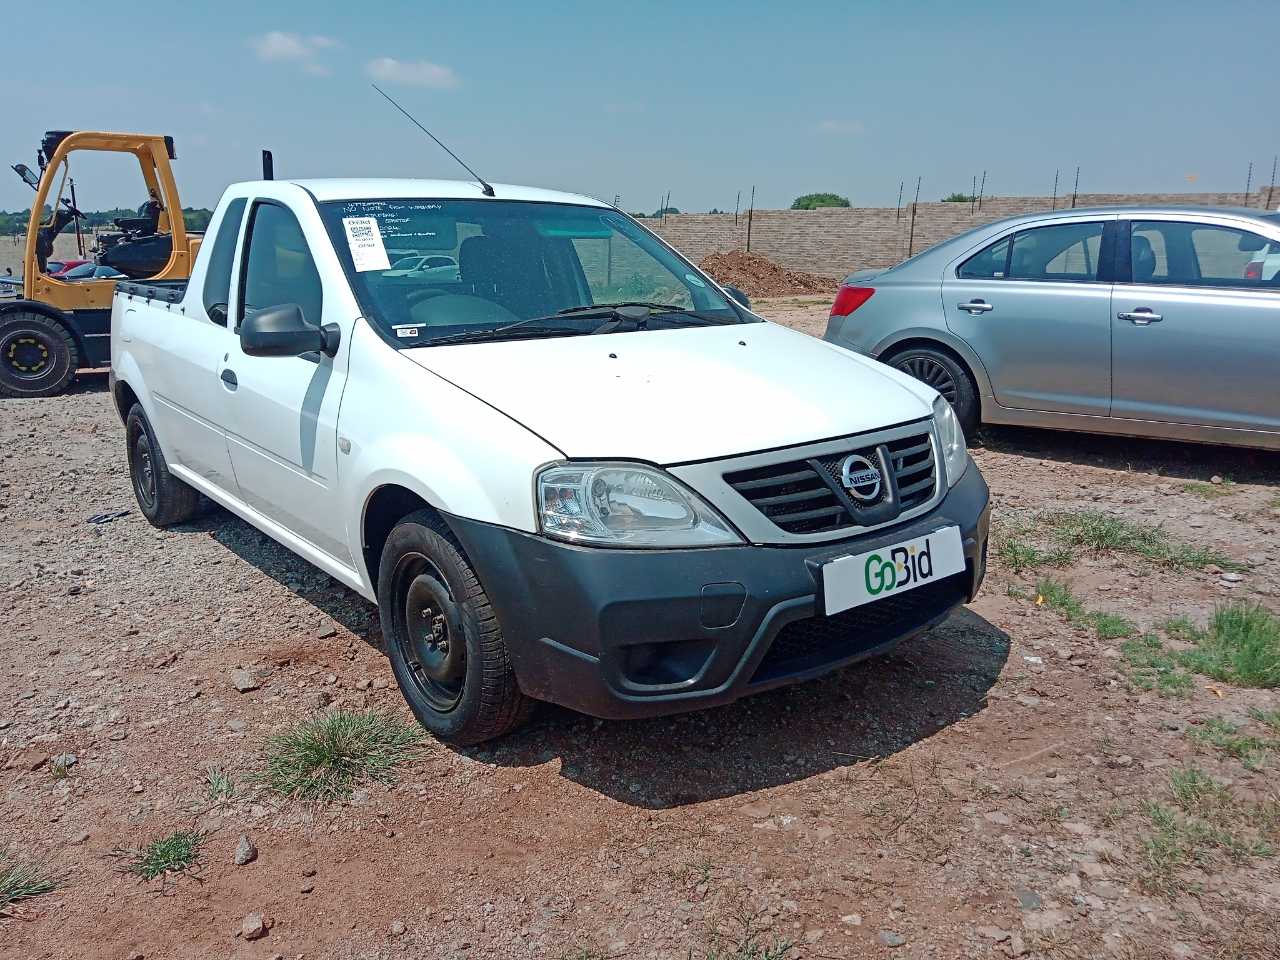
[
  {"x": 1017, "y": 553},
  {"x": 745, "y": 942},
  {"x": 220, "y": 786},
  {"x": 324, "y": 757},
  {"x": 1104, "y": 533},
  {"x": 1224, "y": 736},
  {"x": 1108, "y": 626},
  {"x": 59, "y": 769},
  {"x": 25, "y": 879},
  {"x": 1241, "y": 646},
  {"x": 1210, "y": 491},
  {"x": 179, "y": 852},
  {"x": 1199, "y": 822},
  {"x": 1269, "y": 718},
  {"x": 1149, "y": 666}
]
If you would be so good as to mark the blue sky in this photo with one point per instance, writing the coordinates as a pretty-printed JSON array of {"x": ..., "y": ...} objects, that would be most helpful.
[{"x": 634, "y": 99}]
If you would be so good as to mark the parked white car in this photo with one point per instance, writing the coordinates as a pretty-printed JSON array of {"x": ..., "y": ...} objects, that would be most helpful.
[{"x": 580, "y": 471}]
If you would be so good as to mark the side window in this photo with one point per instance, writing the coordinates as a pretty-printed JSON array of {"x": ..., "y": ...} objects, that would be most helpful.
[
  {"x": 278, "y": 267},
  {"x": 1201, "y": 254},
  {"x": 217, "y": 278},
  {"x": 1067, "y": 252},
  {"x": 988, "y": 264}
]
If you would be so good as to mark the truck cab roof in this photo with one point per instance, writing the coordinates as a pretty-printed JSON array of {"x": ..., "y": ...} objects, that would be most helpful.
[{"x": 384, "y": 188}]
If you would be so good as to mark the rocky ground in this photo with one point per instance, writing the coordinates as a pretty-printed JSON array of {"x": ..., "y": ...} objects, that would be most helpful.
[{"x": 983, "y": 792}]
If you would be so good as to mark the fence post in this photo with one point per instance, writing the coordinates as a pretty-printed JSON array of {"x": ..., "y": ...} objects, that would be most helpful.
[{"x": 751, "y": 210}]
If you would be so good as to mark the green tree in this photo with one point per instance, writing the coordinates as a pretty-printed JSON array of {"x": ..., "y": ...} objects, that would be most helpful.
[
  {"x": 664, "y": 211},
  {"x": 959, "y": 198},
  {"x": 812, "y": 201}
]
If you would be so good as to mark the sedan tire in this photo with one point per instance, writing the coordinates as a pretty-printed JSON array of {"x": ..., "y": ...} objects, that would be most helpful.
[{"x": 948, "y": 376}]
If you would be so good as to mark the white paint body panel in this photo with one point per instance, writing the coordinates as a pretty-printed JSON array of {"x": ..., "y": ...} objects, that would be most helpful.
[
  {"x": 298, "y": 448},
  {"x": 672, "y": 396}
]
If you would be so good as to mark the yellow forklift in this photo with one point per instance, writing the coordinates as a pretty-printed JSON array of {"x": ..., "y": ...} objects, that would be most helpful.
[{"x": 59, "y": 325}]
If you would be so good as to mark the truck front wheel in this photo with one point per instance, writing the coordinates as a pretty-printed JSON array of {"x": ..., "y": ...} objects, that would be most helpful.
[
  {"x": 38, "y": 355},
  {"x": 443, "y": 636}
]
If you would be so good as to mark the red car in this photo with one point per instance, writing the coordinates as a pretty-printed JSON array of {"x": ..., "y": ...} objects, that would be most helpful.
[{"x": 56, "y": 268}]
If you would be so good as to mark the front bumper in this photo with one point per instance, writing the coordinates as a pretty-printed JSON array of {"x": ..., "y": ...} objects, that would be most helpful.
[{"x": 637, "y": 633}]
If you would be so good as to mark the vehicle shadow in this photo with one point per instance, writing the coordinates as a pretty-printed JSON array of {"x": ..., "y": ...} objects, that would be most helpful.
[
  {"x": 1171, "y": 458},
  {"x": 85, "y": 381},
  {"x": 326, "y": 594},
  {"x": 870, "y": 710}
]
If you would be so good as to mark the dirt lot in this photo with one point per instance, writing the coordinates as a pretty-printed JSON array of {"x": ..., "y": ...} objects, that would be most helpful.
[{"x": 986, "y": 791}]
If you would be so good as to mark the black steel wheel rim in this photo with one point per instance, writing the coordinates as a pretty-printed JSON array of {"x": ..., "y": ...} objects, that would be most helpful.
[
  {"x": 144, "y": 472},
  {"x": 27, "y": 355},
  {"x": 430, "y": 632},
  {"x": 930, "y": 371}
]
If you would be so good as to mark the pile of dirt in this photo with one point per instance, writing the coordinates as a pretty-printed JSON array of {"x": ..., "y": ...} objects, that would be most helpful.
[{"x": 759, "y": 276}]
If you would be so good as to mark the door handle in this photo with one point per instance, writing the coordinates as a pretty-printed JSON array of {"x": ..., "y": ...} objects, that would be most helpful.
[
  {"x": 975, "y": 307},
  {"x": 229, "y": 378},
  {"x": 1140, "y": 317}
]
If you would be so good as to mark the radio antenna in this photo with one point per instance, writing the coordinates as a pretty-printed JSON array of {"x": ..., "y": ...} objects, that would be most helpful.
[{"x": 488, "y": 190}]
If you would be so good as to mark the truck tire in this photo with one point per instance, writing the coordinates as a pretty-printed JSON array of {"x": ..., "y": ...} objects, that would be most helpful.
[
  {"x": 443, "y": 636},
  {"x": 38, "y": 355},
  {"x": 948, "y": 376},
  {"x": 163, "y": 498}
]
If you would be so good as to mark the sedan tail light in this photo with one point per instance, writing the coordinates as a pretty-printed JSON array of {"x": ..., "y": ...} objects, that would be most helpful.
[{"x": 849, "y": 299}]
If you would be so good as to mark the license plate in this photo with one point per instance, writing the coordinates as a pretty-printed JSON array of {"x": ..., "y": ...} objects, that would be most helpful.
[{"x": 887, "y": 571}]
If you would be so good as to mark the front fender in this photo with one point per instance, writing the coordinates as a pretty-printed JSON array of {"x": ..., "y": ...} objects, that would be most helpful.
[{"x": 441, "y": 478}]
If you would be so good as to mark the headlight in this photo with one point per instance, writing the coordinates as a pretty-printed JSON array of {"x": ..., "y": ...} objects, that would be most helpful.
[
  {"x": 625, "y": 505},
  {"x": 954, "y": 453}
]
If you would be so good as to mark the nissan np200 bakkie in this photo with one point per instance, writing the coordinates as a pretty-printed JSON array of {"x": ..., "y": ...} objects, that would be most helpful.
[{"x": 567, "y": 464}]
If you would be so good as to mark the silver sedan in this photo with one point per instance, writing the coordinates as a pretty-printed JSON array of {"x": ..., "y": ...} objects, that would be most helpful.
[{"x": 1143, "y": 321}]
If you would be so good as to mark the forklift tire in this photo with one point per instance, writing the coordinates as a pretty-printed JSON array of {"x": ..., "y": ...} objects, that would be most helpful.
[{"x": 38, "y": 355}]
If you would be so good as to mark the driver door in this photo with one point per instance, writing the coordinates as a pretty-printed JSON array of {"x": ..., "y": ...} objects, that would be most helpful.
[{"x": 283, "y": 411}]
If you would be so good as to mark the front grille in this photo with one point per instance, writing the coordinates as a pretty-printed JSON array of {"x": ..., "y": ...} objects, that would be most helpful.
[
  {"x": 804, "y": 645},
  {"x": 806, "y": 496}
]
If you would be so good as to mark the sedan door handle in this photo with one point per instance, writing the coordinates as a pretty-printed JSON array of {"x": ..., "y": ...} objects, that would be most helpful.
[
  {"x": 229, "y": 378},
  {"x": 975, "y": 306},
  {"x": 1140, "y": 317}
]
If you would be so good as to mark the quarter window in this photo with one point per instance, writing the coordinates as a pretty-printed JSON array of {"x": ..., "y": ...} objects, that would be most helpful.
[
  {"x": 989, "y": 264},
  {"x": 1182, "y": 253},
  {"x": 278, "y": 267},
  {"x": 217, "y": 277}
]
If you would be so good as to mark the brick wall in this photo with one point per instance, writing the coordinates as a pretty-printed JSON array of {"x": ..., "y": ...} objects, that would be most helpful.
[{"x": 836, "y": 240}]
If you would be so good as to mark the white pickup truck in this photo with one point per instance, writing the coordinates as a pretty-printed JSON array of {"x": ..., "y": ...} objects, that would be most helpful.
[{"x": 573, "y": 469}]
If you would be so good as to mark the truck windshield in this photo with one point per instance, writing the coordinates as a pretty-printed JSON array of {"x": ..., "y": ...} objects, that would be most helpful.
[{"x": 428, "y": 271}]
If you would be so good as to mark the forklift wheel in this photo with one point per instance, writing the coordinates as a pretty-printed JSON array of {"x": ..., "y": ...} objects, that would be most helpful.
[{"x": 38, "y": 356}]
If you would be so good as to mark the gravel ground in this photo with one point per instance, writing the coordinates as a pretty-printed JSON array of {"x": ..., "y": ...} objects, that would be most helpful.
[{"x": 980, "y": 793}]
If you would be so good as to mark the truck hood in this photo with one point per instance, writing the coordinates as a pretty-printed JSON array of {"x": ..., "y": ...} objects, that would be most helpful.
[{"x": 672, "y": 396}]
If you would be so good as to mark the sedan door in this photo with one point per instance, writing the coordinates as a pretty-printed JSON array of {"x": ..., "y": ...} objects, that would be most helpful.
[
  {"x": 282, "y": 412},
  {"x": 1197, "y": 325},
  {"x": 1035, "y": 306}
]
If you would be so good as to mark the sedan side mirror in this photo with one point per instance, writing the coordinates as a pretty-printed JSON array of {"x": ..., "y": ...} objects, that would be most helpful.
[
  {"x": 738, "y": 295},
  {"x": 282, "y": 331}
]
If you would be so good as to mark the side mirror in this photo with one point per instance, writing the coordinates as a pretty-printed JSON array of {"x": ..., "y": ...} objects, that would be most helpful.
[
  {"x": 738, "y": 295},
  {"x": 281, "y": 331},
  {"x": 22, "y": 170}
]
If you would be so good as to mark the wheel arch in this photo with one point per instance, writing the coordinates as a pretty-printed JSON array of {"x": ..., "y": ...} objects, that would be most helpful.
[
  {"x": 384, "y": 507},
  {"x": 936, "y": 340}
]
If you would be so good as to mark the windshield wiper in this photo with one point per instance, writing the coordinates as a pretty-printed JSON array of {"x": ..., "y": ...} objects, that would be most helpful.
[{"x": 503, "y": 333}]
